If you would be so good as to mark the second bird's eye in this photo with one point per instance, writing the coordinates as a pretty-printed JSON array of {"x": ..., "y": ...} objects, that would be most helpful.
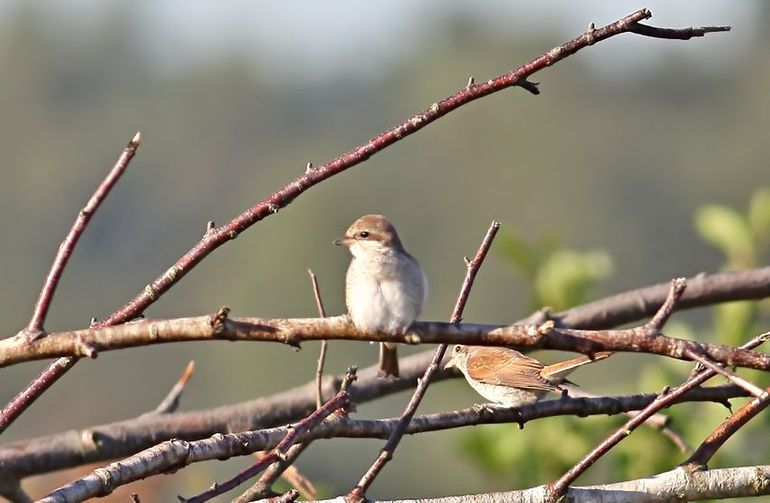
[{"x": 363, "y": 234}]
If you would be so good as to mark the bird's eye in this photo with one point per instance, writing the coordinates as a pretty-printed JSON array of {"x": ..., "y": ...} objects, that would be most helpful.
[
  {"x": 456, "y": 349},
  {"x": 363, "y": 234}
]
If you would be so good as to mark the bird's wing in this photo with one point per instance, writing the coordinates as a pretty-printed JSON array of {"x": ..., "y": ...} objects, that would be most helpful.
[{"x": 507, "y": 367}]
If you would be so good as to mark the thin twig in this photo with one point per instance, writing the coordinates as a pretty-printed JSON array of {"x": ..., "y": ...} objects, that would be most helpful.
[
  {"x": 752, "y": 388},
  {"x": 171, "y": 402},
  {"x": 35, "y": 327},
  {"x": 358, "y": 493},
  {"x": 263, "y": 487},
  {"x": 703, "y": 454},
  {"x": 322, "y": 355},
  {"x": 339, "y": 401},
  {"x": 557, "y": 488}
]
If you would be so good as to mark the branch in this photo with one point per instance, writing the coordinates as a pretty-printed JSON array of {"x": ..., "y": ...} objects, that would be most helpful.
[
  {"x": 171, "y": 402},
  {"x": 35, "y": 326},
  {"x": 675, "y": 485},
  {"x": 63, "y": 450},
  {"x": 339, "y": 401},
  {"x": 324, "y": 343},
  {"x": 263, "y": 487},
  {"x": 357, "y": 494},
  {"x": 176, "y": 453},
  {"x": 74, "y": 448},
  {"x": 293, "y": 331}
]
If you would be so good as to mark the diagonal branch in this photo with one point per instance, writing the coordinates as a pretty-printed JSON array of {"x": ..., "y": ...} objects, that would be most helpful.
[
  {"x": 35, "y": 326},
  {"x": 34, "y": 329},
  {"x": 216, "y": 237},
  {"x": 357, "y": 494},
  {"x": 171, "y": 402},
  {"x": 752, "y": 388}
]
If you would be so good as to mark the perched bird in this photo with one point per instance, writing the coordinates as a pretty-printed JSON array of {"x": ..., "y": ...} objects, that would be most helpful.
[
  {"x": 385, "y": 287},
  {"x": 509, "y": 378}
]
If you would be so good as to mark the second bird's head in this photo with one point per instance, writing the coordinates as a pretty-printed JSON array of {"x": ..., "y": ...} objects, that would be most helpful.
[{"x": 370, "y": 234}]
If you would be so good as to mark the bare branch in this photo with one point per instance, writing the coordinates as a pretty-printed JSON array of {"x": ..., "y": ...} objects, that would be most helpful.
[
  {"x": 35, "y": 327},
  {"x": 357, "y": 494},
  {"x": 176, "y": 453},
  {"x": 293, "y": 331},
  {"x": 675, "y": 485},
  {"x": 324, "y": 343},
  {"x": 171, "y": 402},
  {"x": 339, "y": 401},
  {"x": 263, "y": 487}
]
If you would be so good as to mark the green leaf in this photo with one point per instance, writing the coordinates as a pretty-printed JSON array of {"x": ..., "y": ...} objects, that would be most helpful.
[{"x": 729, "y": 231}]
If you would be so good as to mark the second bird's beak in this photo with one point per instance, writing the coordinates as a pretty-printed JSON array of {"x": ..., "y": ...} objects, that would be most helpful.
[{"x": 451, "y": 363}]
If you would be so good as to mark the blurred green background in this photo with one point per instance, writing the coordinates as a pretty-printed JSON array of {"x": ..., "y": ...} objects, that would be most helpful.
[{"x": 638, "y": 163}]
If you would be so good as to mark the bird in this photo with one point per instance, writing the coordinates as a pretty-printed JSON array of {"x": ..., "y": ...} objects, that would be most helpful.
[
  {"x": 385, "y": 287},
  {"x": 509, "y": 378}
]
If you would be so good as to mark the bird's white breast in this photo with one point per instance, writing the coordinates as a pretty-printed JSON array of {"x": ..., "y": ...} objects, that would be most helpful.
[{"x": 384, "y": 292}]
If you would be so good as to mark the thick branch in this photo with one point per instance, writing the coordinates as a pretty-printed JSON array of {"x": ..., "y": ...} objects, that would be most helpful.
[
  {"x": 675, "y": 485},
  {"x": 293, "y": 331}
]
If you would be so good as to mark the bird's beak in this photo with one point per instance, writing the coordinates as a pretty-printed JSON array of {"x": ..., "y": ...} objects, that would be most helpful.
[
  {"x": 343, "y": 241},
  {"x": 452, "y": 363}
]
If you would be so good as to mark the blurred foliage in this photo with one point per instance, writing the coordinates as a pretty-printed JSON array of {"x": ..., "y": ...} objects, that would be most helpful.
[{"x": 563, "y": 278}]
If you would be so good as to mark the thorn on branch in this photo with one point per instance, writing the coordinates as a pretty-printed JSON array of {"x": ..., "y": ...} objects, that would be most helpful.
[
  {"x": 471, "y": 82},
  {"x": 309, "y": 168}
]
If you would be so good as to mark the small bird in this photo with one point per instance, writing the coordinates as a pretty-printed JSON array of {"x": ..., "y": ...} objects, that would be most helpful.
[
  {"x": 385, "y": 287},
  {"x": 511, "y": 379}
]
